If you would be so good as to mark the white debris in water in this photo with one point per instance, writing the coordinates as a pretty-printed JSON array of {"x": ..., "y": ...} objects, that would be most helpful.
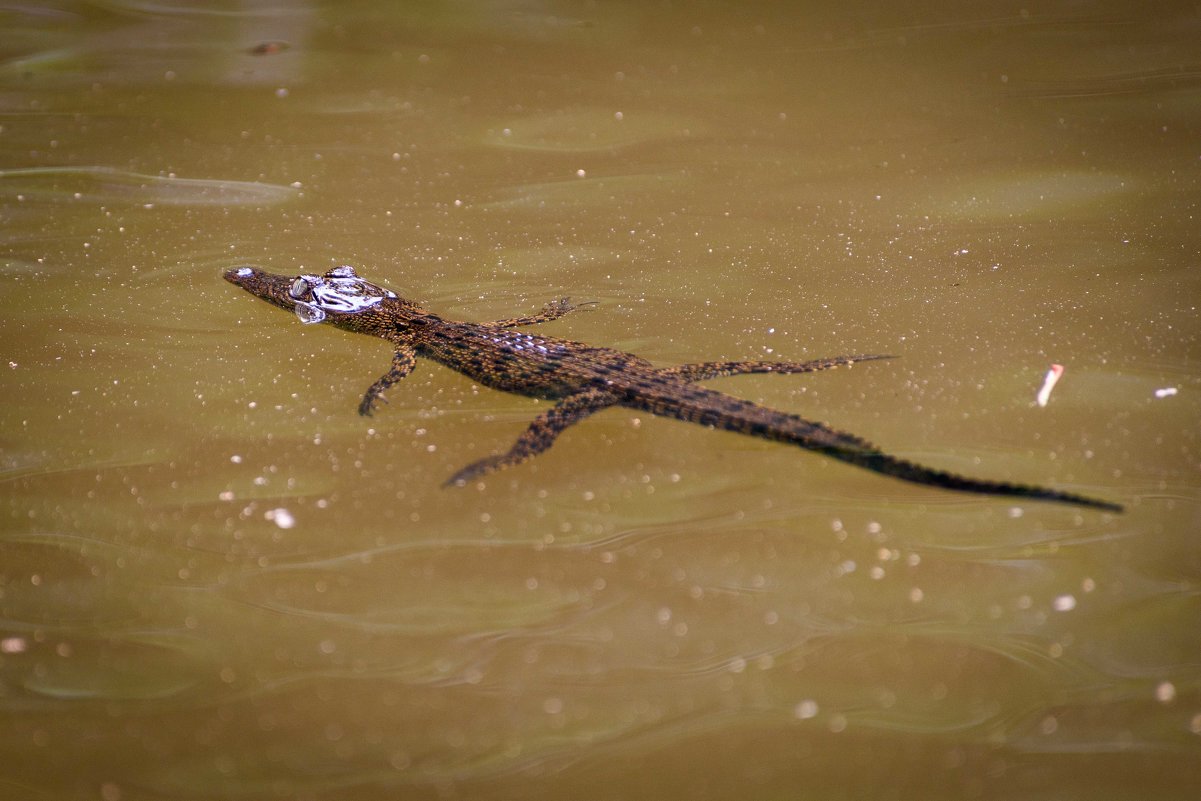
[
  {"x": 1165, "y": 692},
  {"x": 805, "y": 709},
  {"x": 1053, "y": 375},
  {"x": 13, "y": 645},
  {"x": 282, "y": 517},
  {"x": 1064, "y": 603},
  {"x": 1166, "y": 392}
]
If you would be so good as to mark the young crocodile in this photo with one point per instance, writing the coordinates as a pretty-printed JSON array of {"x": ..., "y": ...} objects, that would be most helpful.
[{"x": 582, "y": 378}]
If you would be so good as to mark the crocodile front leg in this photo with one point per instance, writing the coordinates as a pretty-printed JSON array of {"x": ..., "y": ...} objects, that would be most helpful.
[
  {"x": 403, "y": 362},
  {"x": 700, "y": 371},
  {"x": 551, "y": 311},
  {"x": 540, "y": 435}
]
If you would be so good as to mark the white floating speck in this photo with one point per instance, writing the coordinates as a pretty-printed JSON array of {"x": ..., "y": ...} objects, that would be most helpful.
[
  {"x": 1064, "y": 603},
  {"x": 805, "y": 709},
  {"x": 1166, "y": 392},
  {"x": 1165, "y": 692},
  {"x": 281, "y": 517},
  {"x": 1044, "y": 394},
  {"x": 13, "y": 645}
]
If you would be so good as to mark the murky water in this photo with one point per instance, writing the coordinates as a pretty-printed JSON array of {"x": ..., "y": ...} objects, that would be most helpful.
[{"x": 218, "y": 581}]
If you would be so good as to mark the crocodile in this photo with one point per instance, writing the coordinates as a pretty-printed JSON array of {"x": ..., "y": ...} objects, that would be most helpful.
[{"x": 585, "y": 379}]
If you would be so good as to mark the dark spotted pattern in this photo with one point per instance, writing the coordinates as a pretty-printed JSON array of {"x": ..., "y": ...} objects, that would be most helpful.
[{"x": 585, "y": 379}]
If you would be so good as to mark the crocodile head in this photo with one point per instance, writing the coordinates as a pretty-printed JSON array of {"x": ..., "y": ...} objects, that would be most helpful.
[{"x": 336, "y": 294}]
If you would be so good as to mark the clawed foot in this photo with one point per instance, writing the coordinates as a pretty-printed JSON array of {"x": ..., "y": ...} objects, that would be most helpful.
[{"x": 367, "y": 406}]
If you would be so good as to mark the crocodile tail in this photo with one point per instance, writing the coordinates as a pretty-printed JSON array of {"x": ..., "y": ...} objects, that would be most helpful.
[
  {"x": 905, "y": 470},
  {"x": 716, "y": 409}
]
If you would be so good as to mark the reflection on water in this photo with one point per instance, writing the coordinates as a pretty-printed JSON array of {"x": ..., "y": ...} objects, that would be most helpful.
[{"x": 217, "y": 581}]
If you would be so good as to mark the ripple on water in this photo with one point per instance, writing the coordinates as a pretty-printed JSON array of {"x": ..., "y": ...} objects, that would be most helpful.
[
  {"x": 149, "y": 668},
  {"x": 580, "y": 192},
  {"x": 1036, "y": 195},
  {"x": 423, "y": 590},
  {"x": 588, "y": 130},
  {"x": 107, "y": 185}
]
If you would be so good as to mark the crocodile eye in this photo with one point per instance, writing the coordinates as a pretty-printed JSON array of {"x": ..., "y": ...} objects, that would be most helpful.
[{"x": 300, "y": 288}]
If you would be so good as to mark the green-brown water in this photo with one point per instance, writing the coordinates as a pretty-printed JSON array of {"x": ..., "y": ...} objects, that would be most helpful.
[{"x": 217, "y": 581}]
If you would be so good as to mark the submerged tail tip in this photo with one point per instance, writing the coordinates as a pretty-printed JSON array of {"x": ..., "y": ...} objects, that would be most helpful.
[
  {"x": 1056, "y": 496},
  {"x": 1094, "y": 503},
  {"x": 1024, "y": 492}
]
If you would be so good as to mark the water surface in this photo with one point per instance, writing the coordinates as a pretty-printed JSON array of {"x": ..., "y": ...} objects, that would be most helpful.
[{"x": 218, "y": 581}]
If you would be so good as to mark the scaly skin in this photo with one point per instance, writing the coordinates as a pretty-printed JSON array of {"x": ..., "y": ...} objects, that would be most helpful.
[{"x": 585, "y": 379}]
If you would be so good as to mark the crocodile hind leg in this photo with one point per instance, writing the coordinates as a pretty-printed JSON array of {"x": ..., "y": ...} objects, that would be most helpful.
[
  {"x": 540, "y": 435},
  {"x": 700, "y": 371},
  {"x": 403, "y": 362},
  {"x": 551, "y": 311}
]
